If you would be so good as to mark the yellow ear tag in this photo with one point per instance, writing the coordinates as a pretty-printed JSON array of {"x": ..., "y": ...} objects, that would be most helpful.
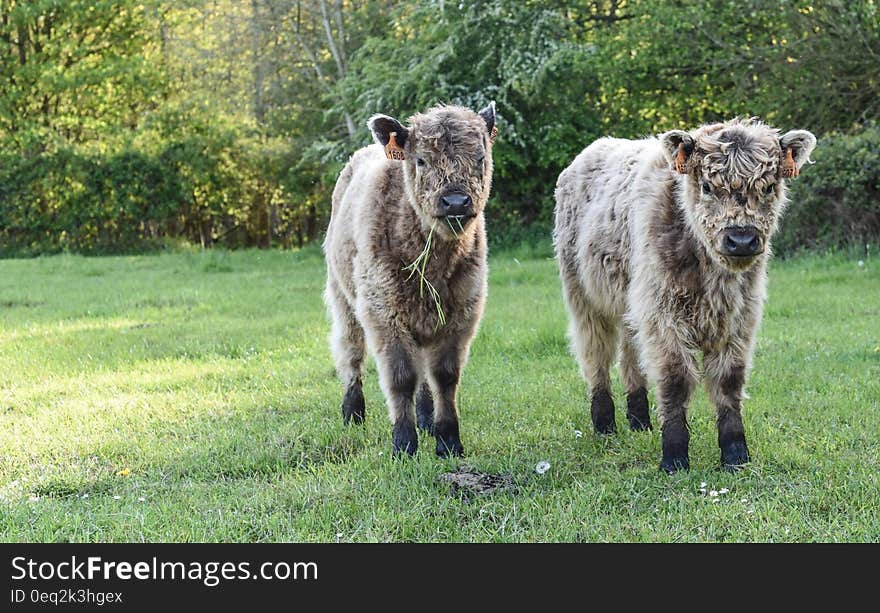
[
  {"x": 393, "y": 151},
  {"x": 789, "y": 168},
  {"x": 680, "y": 159}
]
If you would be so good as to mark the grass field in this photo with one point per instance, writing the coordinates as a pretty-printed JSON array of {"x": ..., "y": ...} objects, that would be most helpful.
[{"x": 191, "y": 397}]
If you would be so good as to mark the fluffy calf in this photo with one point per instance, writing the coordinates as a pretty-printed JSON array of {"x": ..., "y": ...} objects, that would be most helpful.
[
  {"x": 415, "y": 307},
  {"x": 662, "y": 246}
]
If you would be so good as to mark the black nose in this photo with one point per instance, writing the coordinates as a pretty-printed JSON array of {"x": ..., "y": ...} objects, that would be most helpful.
[
  {"x": 742, "y": 241},
  {"x": 455, "y": 204}
]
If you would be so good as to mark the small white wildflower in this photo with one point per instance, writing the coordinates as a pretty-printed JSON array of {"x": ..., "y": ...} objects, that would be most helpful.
[
  {"x": 861, "y": 263},
  {"x": 34, "y": 498},
  {"x": 724, "y": 490},
  {"x": 117, "y": 497},
  {"x": 702, "y": 490},
  {"x": 713, "y": 493},
  {"x": 542, "y": 467},
  {"x": 743, "y": 500},
  {"x": 84, "y": 496},
  {"x": 338, "y": 536},
  {"x": 703, "y": 484},
  {"x": 141, "y": 499},
  {"x": 578, "y": 434},
  {"x": 714, "y": 500}
]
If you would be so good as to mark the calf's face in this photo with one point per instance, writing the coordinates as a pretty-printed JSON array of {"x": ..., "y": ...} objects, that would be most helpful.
[
  {"x": 447, "y": 163},
  {"x": 735, "y": 188}
]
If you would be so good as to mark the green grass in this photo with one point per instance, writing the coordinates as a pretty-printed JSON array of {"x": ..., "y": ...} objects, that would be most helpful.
[{"x": 191, "y": 397}]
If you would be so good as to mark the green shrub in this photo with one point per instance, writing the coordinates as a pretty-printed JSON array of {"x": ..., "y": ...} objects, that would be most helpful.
[
  {"x": 836, "y": 201},
  {"x": 206, "y": 190}
]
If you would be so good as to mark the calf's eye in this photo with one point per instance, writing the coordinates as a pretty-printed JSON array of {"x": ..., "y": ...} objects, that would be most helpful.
[
  {"x": 420, "y": 162},
  {"x": 769, "y": 189},
  {"x": 707, "y": 189},
  {"x": 481, "y": 160}
]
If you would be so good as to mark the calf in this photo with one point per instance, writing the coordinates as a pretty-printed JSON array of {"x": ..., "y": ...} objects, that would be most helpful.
[
  {"x": 662, "y": 246},
  {"x": 406, "y": 266}
]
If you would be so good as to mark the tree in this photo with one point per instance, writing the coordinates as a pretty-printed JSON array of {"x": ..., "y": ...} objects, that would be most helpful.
[{"x": 73, "y": 71}]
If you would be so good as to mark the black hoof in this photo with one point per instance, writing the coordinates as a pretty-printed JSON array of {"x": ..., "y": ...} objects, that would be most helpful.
[
  {"x": 637, "y": 410},
  {"x": 602, "y": 412},
  {"x": 675, "y": 439},
  {"x": 734, "y": 455},
  {"x": 448, "y": 440},
  {"x": 425, "y": 410},
  {"x": 353, "y": 407},
  {"x": 674, "y": 464},
  {"x": 404, "y": 439},
  {"x": 637, "y": 425}
]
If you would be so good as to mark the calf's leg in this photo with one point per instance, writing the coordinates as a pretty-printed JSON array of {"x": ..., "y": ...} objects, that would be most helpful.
[
  {"x": 398, "y": 378},
  {"x": 444, "y": 376},
  {"x": 348, "y": 348},
  {"x": 725, "y": 379},
  {"x": 676, "y": 383},
  {"x": 636, "y": 385},
  {"x": 594, "y": 340},
  {"x": 425, "y": 409}
]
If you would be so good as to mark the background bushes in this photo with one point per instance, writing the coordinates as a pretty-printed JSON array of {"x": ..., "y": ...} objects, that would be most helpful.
[
  {"x": 836, "y": 201},
  {"x": 195, "y": 190},
  {"x": 128, "y": 125}
]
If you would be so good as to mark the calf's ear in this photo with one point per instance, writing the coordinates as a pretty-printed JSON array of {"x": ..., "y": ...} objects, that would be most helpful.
[
  {"x": 382, "y": 126},
  {"x": 678, "y": 146},
  {"x": 488, "y": 115},
  {"x": 797, "y": 145}
]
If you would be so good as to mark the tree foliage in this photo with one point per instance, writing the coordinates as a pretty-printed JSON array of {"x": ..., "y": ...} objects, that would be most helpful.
[{"x": 127, "y": 124}]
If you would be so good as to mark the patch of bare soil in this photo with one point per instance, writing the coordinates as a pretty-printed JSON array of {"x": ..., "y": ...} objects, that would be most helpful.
[{"x": 466, "y": 481}]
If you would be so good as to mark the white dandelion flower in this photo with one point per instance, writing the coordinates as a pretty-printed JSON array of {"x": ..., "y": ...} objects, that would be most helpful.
[
  {"x": 141, "y": 499},
  {"x": 861, "y": 263},
  {"x": 117, "y": 497},
  {"x": 724, "y": 490},
  {"x": 713, "y": 493},
  {"x": 743, "y": 500},
  {"x": 578, "y": 434},
  {"x": 703, "y": 485},
  {"x": 84, "y": 496},
  {"x": 542, "y": 467}
]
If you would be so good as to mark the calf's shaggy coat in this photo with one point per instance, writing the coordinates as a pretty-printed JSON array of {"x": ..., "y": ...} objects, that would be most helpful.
[
  {"x": 427, "y": 187},
  {"x": 662, "y": 246}
]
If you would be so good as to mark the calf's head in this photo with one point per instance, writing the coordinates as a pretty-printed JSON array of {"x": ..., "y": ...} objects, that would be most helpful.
[
  {"x": 446, "y": 153},
  {"x": 734, "y": 189}
]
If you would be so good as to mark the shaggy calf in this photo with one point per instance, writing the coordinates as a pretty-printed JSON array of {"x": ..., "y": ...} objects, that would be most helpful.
[
  {"x": 406, "y": 266},
  {"x": 665, "y": 243}
]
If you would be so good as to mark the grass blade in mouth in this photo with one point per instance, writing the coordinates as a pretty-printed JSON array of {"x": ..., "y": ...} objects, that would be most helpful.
[
  {"x": 449, "y": 223},
  {"x": 418, "y": 265}
]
